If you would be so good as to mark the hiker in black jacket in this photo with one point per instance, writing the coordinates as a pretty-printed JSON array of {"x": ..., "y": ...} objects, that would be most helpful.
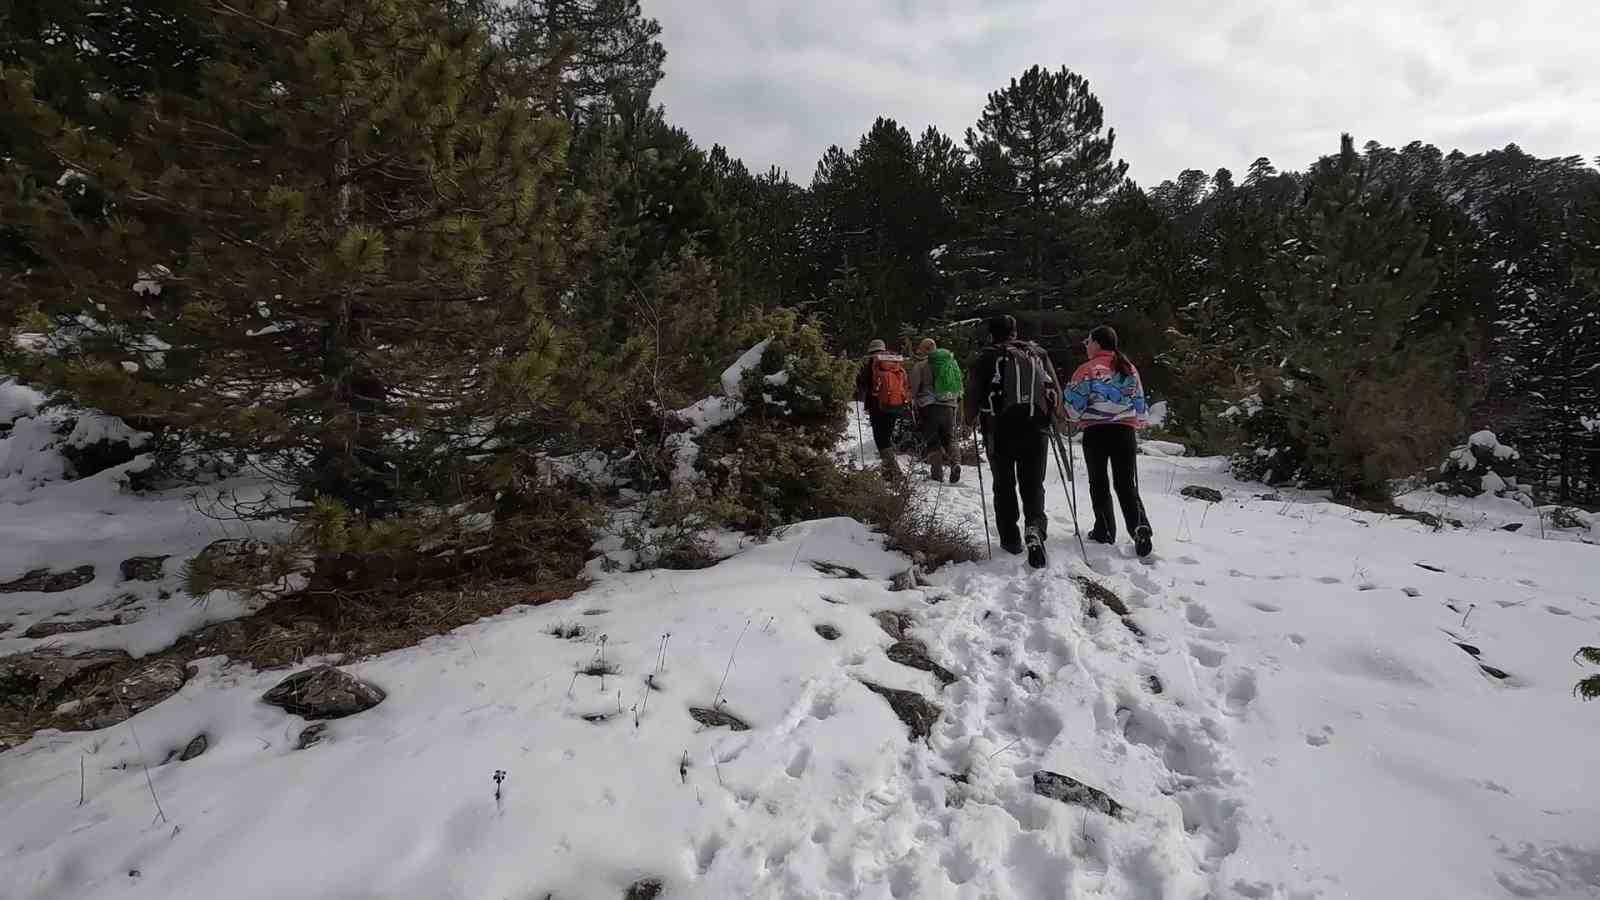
[{"x": 1015, "y": 414}]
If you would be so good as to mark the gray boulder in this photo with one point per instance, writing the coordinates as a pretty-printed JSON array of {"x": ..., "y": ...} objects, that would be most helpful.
[
  {"x": 324, "y": 693},
  {"x": 143, "y": 568}
]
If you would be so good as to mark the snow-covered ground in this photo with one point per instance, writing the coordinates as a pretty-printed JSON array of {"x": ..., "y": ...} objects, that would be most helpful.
[
  {"x": 51, "y": 522},
  {"x": 1297, "y": 719}
]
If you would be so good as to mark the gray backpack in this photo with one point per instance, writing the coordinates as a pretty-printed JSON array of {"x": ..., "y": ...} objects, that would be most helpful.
[{"x": 1022, "y": 386}]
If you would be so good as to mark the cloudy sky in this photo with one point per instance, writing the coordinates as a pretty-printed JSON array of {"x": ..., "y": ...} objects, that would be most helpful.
[{"x": 1185, "y": 83}]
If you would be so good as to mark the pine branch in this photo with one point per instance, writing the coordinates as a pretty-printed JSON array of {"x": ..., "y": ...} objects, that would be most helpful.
[{"x": 1589, "y": 688}]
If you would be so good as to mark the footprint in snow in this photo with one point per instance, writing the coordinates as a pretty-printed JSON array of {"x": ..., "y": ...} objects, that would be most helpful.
[
  {"x": 1266, "y": 607},
  {"x": 1328, "y": 579},
  {"x": 705, "y": 854},
  {"x": 1199, "y": 616},
  {"x": 1242, "y": 692},
  {"x": 1210, "y": 657},
  {"x": 1321, "y": 737},
  {"x": 1557, "y": 611},
  {"x": 802, "y": 759},
  {"x": 1189, "y": 560}
]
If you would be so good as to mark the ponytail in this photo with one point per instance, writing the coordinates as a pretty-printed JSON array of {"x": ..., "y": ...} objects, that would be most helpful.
[{"x": 1106, "y": 337}]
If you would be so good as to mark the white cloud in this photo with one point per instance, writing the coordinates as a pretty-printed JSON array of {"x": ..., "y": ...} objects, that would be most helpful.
[{"x": 1186, "y": 84}]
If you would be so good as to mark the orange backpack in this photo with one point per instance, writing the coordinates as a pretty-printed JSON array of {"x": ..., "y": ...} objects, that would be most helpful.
[{"x": 890, "y": 387}]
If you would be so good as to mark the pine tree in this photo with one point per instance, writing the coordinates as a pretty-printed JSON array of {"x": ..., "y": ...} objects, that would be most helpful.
[
  {"x": 600, "y": 52},
  {"x": 1367, "y": 390},
  {"x": 1042, "y": 156},
  {"x": 1545, "y": 374},
  {"x": 881, "y": 211},
  {"x": 338, "y": 252}
]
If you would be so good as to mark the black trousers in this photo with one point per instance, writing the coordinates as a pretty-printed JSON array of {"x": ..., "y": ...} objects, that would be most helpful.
[
  {"x": 883, "y": 428},
  {"x": 1019, "y": 459},
  {"x": 1118, "y": 446}
]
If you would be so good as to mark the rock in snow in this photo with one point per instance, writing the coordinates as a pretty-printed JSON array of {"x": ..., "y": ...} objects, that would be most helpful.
[
  {"x": 71, "y": 626},
  {"x": 143, "y": 568},
  {"x": 914, "y": 653},
  {"x": 1070, "y": 790},
  {"x": 44, "y": 581},
  {"x": 324, "y": 693},
  {"x": 194, "y": 748},
  {"x": 37, "y": 679},
  {"x": 311, "y": 735},
  {"x": 1201, "y": 492},
  {"x": 915, "y": 710}
]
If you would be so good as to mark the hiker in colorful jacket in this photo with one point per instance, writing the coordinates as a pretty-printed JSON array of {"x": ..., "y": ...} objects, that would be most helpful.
[
  {"x": 883, "y": 388},
  {"x": 1105, "y": 399},
  {"x": 936, "y": 393}
]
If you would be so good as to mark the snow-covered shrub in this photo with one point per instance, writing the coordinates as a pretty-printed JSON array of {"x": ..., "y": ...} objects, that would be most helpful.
[
  {"x": 1565, "y": 517},
  {"x": 1483, "y": 465},
  {"x": 773, "y": 453}
]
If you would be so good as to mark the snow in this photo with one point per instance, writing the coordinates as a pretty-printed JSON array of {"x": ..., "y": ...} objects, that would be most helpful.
[
  {"x": 1319, "y": 732},
  {"x": 149, "y": 283},
  {"x": 1162, "y": 448},
  {"x": 1493, "y": 483},
  {"x": 1488, "y": 440},
  {"x": 733, "y": 376},
  {"x": 17, "y": 400},
  {"x": 50, "y": 522},
  {"x": 712, "y": 412}
]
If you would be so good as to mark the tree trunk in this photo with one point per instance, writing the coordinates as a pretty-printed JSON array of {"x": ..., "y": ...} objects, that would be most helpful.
[{"x": 350, "y": 465}]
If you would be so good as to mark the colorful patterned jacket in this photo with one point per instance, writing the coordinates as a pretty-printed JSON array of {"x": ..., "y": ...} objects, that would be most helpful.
[{"x": 1100, "y": 395}]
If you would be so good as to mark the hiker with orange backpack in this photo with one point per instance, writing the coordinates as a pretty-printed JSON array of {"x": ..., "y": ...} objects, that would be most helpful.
[{"x": 884, "y": 389}]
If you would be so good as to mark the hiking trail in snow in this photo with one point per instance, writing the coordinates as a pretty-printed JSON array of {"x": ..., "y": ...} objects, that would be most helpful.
[{"x": 1301, "y": 702}]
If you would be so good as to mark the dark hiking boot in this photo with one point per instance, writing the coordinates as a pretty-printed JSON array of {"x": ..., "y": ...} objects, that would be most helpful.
[
  {"x": 1011, "y": 543},
  {"x": 936, "y": 474},
  {"x": 1142, "y": 544},
  {"x": 955, "y": 474},
  {"x": 1035, "y": 542},
  {"x": 1101, "y": 536}
]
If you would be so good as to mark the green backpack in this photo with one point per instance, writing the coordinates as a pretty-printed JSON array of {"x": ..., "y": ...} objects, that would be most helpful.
[{"x": 946, "y": 375}]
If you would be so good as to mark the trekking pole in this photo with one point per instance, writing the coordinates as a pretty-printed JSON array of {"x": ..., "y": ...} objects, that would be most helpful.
[
  {"x": 1069, "y": 486},
  {"x": 861, "y": 440},
  {"x": 983, "y": 494}
]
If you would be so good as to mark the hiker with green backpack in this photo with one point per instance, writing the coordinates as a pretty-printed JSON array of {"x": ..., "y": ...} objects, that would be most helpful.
[{"x": 936, "y": 391}]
